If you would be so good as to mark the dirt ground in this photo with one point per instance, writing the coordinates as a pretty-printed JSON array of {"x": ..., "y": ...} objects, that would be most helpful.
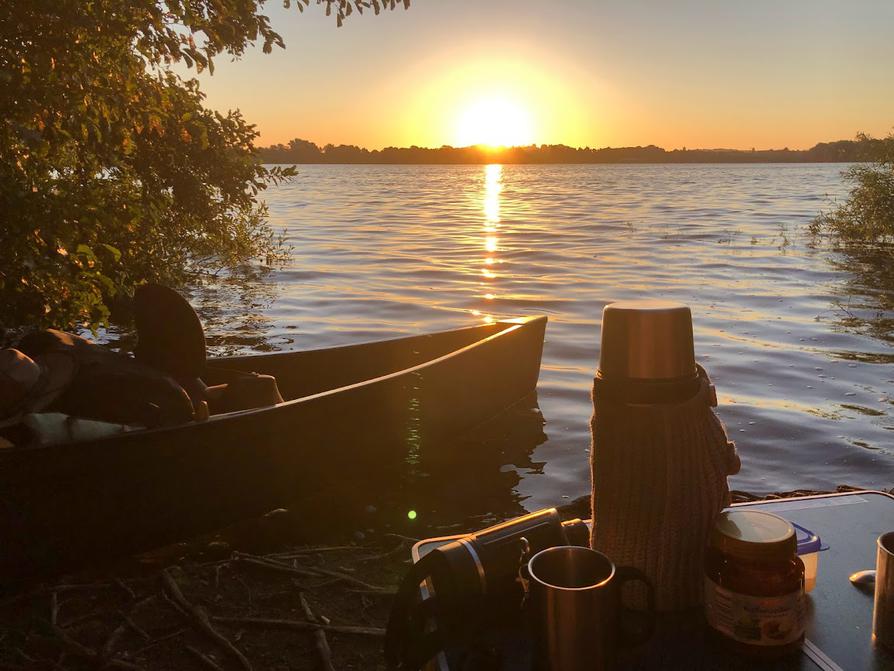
[
  {"x": 300, "y": 608},
  {"x": 242, "y": 612}
]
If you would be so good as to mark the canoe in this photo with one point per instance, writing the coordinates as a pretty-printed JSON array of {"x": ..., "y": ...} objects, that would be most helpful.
[{"x": 348, "y": 410}]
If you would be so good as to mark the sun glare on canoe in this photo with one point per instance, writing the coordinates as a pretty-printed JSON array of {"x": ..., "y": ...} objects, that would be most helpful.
[{"x": 494, "y": 122}]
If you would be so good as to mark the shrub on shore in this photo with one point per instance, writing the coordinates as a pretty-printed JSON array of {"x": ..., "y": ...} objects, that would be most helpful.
[{"x": 867, "y": 216}]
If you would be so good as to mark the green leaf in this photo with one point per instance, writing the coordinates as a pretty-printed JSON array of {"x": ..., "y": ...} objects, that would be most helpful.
[
  {"x": 114, "y": 251},
  {"x": 85, "y": 251}
]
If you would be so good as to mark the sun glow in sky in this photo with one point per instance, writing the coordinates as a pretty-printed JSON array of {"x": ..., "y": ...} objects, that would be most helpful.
[
  {"x": 696, "y": 73},
  {"x": 494, "y": 122},
  {"x": 496, "y": 96}
]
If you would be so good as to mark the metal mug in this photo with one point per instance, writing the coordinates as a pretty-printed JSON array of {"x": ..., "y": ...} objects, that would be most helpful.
[
  {"x": 883, "y": 612},
  {"x": 575, "y": 600}
]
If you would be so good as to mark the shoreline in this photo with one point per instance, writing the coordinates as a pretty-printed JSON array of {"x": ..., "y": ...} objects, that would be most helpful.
[
  {"x": 570, "y": 163},
  {"x": 304, "y": 152}
]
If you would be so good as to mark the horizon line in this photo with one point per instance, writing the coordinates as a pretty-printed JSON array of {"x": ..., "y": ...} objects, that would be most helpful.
[
  {"x": 299, "y": 151},
  {"x": 487, "y": 148}
]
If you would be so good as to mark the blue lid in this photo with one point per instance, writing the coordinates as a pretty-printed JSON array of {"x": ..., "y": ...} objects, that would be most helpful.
[{"x": 807, "y": 540}]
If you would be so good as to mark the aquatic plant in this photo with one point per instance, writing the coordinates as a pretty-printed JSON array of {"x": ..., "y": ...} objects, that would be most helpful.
[
  {"x": 862, "y": 230},
  {"x": 867, "y": 216}
]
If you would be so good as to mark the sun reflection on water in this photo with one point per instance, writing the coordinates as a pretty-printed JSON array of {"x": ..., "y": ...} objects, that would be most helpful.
[{"x": 493, "y": 186}]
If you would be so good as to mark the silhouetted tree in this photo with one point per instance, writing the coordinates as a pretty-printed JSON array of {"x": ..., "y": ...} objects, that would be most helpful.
[{"x": 112, "y": 170}]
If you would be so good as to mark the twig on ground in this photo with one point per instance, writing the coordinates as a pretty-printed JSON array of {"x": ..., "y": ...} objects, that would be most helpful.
[
  {"x": 54, "y": 608},
  {"x": 25, "y": 656},
  {"x": 248, "y": 592},
  {"x": 82, "y": 586},
  {"x": 200, "y": 618},
  {"x": 142, "y": 602},
  {"x": 115, "y": 582},
  {"x": 40, "y": 591},
  {"x": 309, "y": 572},
  {"x": 137, "y": 629},
  {"x": 319, "y": 635},
  {"x": 401, "y": 547},
  {"x": 160, "y": 639},
  {"x": 78, "y": 649},
  {"x": 108, "y": 649},
  {"x": 124, "y": 588},
  {"x": 272, "y": 565},
  {"x": 204, "y": 659},
  {"x": 80, "y": 619},
  {"x": 73, "y": 646},
  {"x": 302, "y": 552},
  {"x": 173, "y": 604},
  {"x": 299, "y": 624},
  {"x": 324, "y": 583},
  {"x": 287, "y": 554},
  {"x": 374, "y": 592},
  {"x": 344, "y": 577},
  {"x": 60, "y": 589}
]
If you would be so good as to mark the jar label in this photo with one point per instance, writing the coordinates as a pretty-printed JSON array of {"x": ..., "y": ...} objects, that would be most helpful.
[{"x": 755, "y": 620}]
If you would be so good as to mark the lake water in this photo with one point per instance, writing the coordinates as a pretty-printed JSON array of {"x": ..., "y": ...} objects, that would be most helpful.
[{"x": 798, "y": 339}]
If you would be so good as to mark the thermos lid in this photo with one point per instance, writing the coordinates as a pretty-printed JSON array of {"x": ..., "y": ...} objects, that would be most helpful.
[
  {"x": 646, "y": 340},
  {"x": 754, "y": 535}
]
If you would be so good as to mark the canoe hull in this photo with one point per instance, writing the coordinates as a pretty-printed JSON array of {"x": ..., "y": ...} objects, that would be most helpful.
[{"x": 65, "y": 505}]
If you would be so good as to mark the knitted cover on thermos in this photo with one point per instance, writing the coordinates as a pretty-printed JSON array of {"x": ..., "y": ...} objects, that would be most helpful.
[{"x": 659, "y": 482}]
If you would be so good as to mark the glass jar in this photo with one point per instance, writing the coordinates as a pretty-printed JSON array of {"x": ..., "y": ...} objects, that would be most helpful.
[{"x": 754, "y": 585}]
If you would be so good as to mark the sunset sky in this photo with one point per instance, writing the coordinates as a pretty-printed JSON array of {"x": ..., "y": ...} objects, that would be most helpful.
[{"x": 694, "y": 73}]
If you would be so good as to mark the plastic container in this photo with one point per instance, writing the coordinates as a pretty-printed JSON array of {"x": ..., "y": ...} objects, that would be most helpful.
[{"x": 809, "y": 547}]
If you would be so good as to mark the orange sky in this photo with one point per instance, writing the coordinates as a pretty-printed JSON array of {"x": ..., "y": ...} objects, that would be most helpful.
[{"x": 695, "y": 73}]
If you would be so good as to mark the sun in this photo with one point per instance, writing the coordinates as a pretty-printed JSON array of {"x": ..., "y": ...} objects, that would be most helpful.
[{"x": 494, "y": 122}]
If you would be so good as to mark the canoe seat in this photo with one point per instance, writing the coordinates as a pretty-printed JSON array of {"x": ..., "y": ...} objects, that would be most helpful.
[{"x": 245, "y": 391}]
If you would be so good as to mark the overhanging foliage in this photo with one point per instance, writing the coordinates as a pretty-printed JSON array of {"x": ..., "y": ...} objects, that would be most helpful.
[{"x": 112, "y": 171}]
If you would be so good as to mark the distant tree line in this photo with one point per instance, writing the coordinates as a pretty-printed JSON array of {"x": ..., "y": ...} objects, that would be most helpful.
[{"x": 303, "y": 151}]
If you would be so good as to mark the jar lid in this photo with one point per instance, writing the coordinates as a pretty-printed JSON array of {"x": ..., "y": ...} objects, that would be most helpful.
[{"x": 754, "y": 535}]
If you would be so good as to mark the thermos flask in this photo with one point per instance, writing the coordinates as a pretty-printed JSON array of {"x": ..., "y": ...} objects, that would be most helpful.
[{"x": 660, "y": 455}]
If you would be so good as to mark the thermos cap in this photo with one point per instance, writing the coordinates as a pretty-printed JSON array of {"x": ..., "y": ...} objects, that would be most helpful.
[{"x": 646, "y": 340}]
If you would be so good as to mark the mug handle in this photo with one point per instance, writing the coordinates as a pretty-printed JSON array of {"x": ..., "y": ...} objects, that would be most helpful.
[{"x": 634, "y": 638}]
